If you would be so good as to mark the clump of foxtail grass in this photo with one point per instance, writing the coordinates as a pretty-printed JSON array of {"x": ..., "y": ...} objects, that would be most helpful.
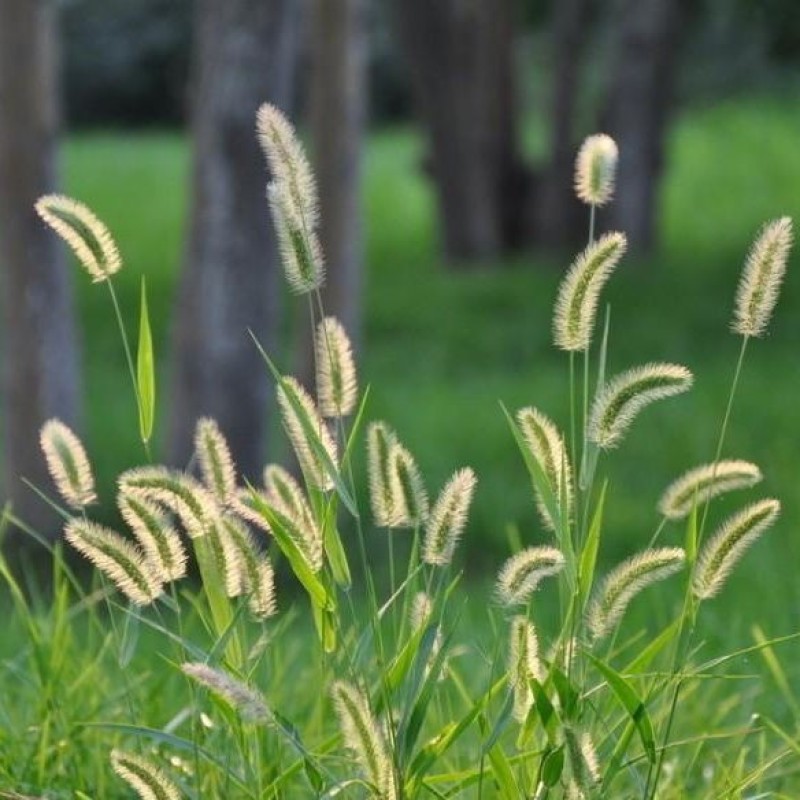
[
  {"x": 364, "y": 738},
  {"x": 547, "y": 447},
  {"x": 86, "y": 235},
  {"x": 627, "y": 580},
  {"x": 705, "y": 482},
  {"x": 521, "y": 575},
  {"x": 68, "y": 464},
  {"x": 146, "y": 778},
  {"x": 595, "y": 169},
  {"x": 762, "y": 277},
  {"x": 337, "y": 385},
  {"x": 117, "y": 558},
  {"x": 722, "y": 552},
  {"x": 448, "y": 518},
  {"x": 248, "y": 703},
  {"x": 625, "y": 396},
  {"x": 216, "y": 462},
  {"x": 579, "y": 293},
  {"x": 523, "y": 665}
]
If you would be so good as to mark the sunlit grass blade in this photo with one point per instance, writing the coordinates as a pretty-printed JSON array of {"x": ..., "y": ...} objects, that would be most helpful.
[{"x": 145, "y": 371}]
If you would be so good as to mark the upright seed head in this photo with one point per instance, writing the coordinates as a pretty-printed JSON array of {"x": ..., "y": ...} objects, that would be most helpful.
[
  {"x": 595, "y": 169},
  {"x": 247, "y": 702},
  {"x": 146, "y": 778},
  {"x": 85, "y": 234},
  {"x": 704, "y": 482},
  {"x": 117, "y": 558},
  {"x": 67, "y": 463},
  {"x": 284, "y": 493},
  {"x": 337, "y": 386},
  {"x": 521, "y": 575},
  {"x": 523, "y": 665},
  {"x": 411, "y": 500},
  {"x": 723, "y": 551},
  {"x": 583, "y": 762},
  {"x": 421, "y": 610},
  {"x": 761, "y": 278},
  {"x": 617, "y": 405},
  {"x": 579, "y": 293},
  {"x": 216, "y": 462},
  {"x": 448, "y": 518},
  {"x": 384, "y": 493},
  {"x": 624, "y": 582}
]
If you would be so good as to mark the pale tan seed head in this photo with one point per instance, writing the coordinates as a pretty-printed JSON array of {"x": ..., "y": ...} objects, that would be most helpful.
[
  {"x": 246, "y": 701},
  {"x": 579, "y": 292},
  {"x": 619, "y": 402},
  {"x": 384, "y": 493},
  {"x": 410, "y": 503},
  {"x": 521, "y": 575},
  {"x": 337, "y": 385},
  {"x": 286, "y": 495},
  {"x": 702, "y": 483},
  {"x": 727, "y": 546},
  {"x": 761, "y": 279},
  {"x": 144, "y": 776},
  {"x": 246, "y": 507},
  {"x": 595, "y": 169},
  {"x": 85, "y": 234},
  {"x": 584, "y": 766},
  {"x": 216, "y": 463},
  {"x": 421, "y": 610},
  {"x": 448, "y": 518},
  {"x": 68, "y": 464},
  {"x": 523, "y": 665}
]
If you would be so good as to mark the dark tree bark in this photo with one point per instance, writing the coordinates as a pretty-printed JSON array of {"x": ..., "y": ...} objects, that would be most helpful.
[
  {"x": 637, "y": 111},
  {"x": 40, "y": 377},
  {"x": 245, "y": 53},
  {"x": 460, "y": 54}
]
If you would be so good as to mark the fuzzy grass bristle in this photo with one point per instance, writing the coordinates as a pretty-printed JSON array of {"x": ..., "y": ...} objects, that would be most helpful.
[
  {"x": 625, "y": 396},
  {"x": 579, "y": 292},
  {"x": 411, "y": 502},
  {"x": 521, "y": 574},
  {"x": 702, "y": 483},
  {"x": 583, "y": 763},
  {"x": 727, "y": 546},
  {"x": 144, "y": 776},
  {"x": 247, "y": 702},
  {"x": 337, "y": 384},
  {"x": 216, "y": 462},
  {"x": 67, "y": 464},
  {"x": 523, "y": 664},
  {"x": 595, "y": 169},
  {"x": 762, "y": 277},
  {"x": 384, "y": 493},
  {"x": 448, "y": 518},
  {"x": 86, "y": 235}
]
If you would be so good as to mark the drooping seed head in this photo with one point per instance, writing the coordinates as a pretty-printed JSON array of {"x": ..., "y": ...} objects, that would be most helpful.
[
  {"x": 624, "y": 582},
  {"x": 546, "y": 445},
  {"x": 144, "y": 776},
  {"x": 448, "y": 518},
  {"x": 159, "y": 541},
  {"x": 761, "y": 279},
  {"x": 216, "y": 462},
  {"x": 579, "y": 292},
  {"x": 523, "y": 665},
  {"x": 67, "y": 463},
  {"x": 246, "y": 507},
  {"x": 704, "y": 482},
  {"x": 727, "y": 546},
  {"x": 521, "y": 575},
  {"x": 304, "y": 426},
  {"x": 595, "y": 169},
  {"x": 117, "y": 558},
  {"x": 85, "y": 234},
  {"x": 337, "y": 386},
  {"x": 625, "y": 396},
  {"x": 247, "y": 702}
]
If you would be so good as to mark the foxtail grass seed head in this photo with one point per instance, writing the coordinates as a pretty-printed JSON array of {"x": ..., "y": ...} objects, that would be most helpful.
[
  {"x": 146, "y": 778},
  {"x": 216, "y": 462},
  {"x": 583, "y": 763},
  {"x": 245, "y": 506},
  {"x": 180, "y": 493},
  {"x": 85, "y": 234},
  {"x": 523, "y": 665},
  {"x": 448, "y": 518},
  {"x": 226, "y": 558},
  {"x": 761, "y": 278},
  {"x": 363, "y": 737},
  {"x": 579, "y": 292},
  {"x": 545, "y": 444},
  {"x": 521, "y": 575},
  {"x": 117, "y": 558},
  {"x": 723, "y": 551},
  {"x": 290, "y": 396},
  {"x": 68, "y": 464},
  {"x": 244, "y": 700},
  {"x": 384, "y": 493},
  {"x": 411, "y": 501},
  {"x": 261, "y": 602},
  {"x": 704, "y": 482},
  {"x": 625, "y": 396},
  {"x": 337, "y": 386},
  {"x": 595, "y": 169},
  {"x": 284, "y": 493},
  {"x": 421, "y": 610},
  {"x": 160, "y": 542},
  {"x": 624, "y": 582}
]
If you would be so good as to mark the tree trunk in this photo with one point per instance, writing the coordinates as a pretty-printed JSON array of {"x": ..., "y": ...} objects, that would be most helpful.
[
  {"x": 244, "y": 55},
  {"x": 637, "y": 111},
  {"x": 40, "y": 356},
  {"x": 460, "y": 54}
]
